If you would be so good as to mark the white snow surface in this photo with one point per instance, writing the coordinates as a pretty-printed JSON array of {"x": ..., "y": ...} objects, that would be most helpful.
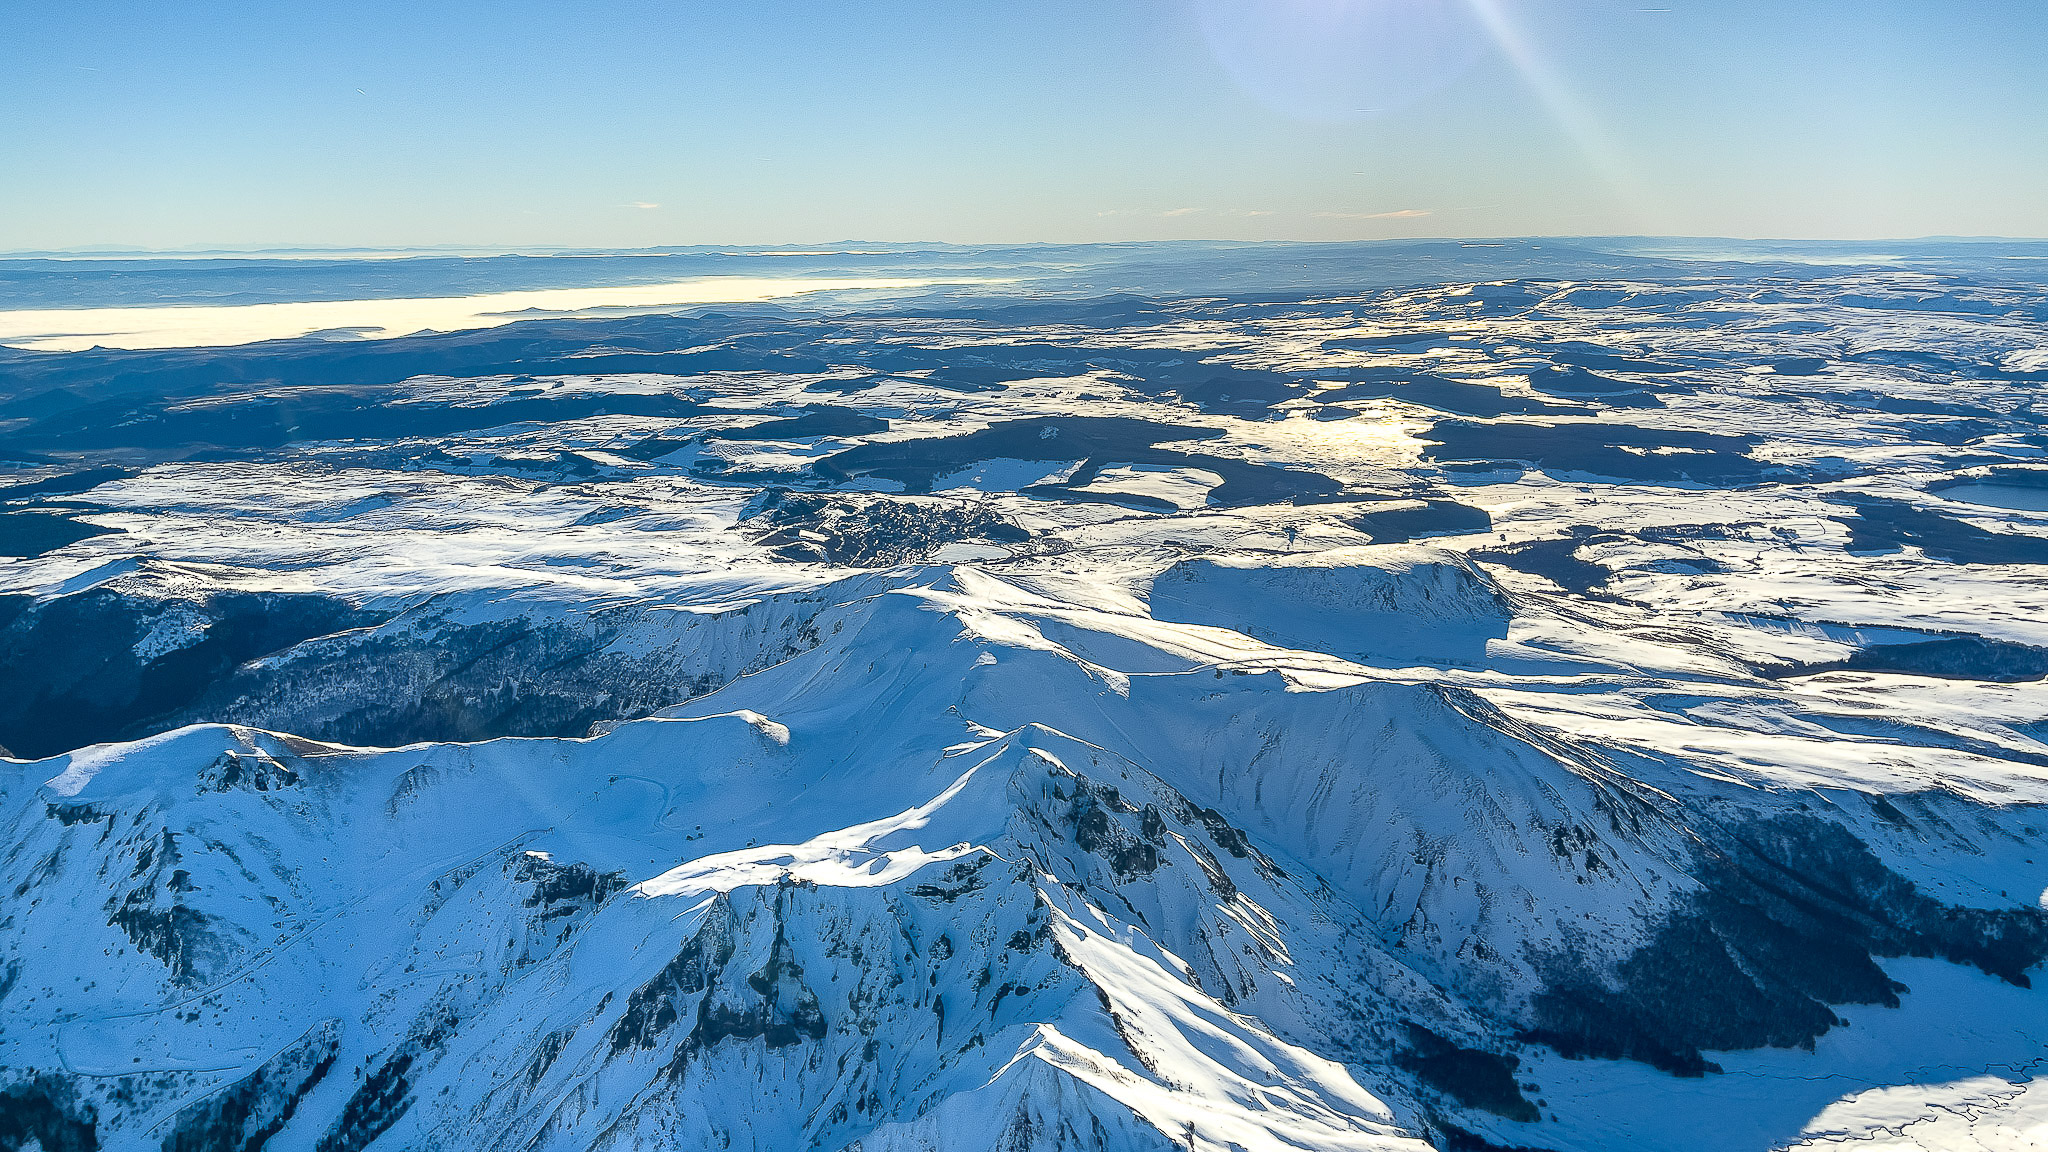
[{"x": 1160, "y": 830}]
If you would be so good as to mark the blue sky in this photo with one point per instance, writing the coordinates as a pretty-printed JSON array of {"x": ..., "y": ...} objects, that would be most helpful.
[{"x": 631, "y": 123}]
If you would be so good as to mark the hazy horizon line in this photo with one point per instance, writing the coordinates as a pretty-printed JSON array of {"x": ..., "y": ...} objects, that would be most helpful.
[{"x": 797, "y": 248}]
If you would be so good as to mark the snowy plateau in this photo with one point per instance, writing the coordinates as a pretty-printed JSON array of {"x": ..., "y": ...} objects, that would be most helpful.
[{"x": 1513, "y": 697}]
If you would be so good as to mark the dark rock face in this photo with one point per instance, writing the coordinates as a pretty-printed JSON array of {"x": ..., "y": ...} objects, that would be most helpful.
[
  {"x": 557, "y": 884},
  {"x": 244, "y": 1116},
  {"x": 1097, "y": 832},
  {"x": 1134, "y": 838},
  {"x": 788, "y": 1011},
  {"x": 178, "y": 935},
  {"x": 156, "y": 916},
  {"x": 385, "y": 1095},
  {"x": 772, "y": 1005},
  {"x": 1791, "y": 913},
  {"x": 247, "y": 772},
  {"x": 873, "y": 532},
  {"x": 959, "y": 879},
  {"x": 561, "y": 899},
  {"x": 654, "y": 1008}
]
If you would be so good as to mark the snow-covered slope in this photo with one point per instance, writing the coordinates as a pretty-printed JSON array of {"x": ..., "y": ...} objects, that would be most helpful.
[{"x": 1131, "y": 743}]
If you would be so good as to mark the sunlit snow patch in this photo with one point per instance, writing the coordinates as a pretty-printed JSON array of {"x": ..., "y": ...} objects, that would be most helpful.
[{"x": 192, "y": 326}]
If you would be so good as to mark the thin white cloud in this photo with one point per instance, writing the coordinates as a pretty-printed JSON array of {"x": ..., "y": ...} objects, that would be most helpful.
[
  {"x": 1146, "y": 212},
  {"x": 643, "y": 205},
  {"x": 1403, "y": 214}
]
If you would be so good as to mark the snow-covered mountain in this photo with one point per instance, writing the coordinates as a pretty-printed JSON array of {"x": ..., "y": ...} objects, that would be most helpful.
[{"x": 1536, "y": 714}]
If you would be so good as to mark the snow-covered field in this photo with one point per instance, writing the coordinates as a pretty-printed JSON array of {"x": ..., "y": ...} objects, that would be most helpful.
[{"x": 1544, "y": 710}]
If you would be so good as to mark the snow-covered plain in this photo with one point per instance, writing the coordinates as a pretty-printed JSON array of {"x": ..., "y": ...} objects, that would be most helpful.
[
  {"x": 197, "y": 325},
  {"x": 1531, "y": 712}
]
